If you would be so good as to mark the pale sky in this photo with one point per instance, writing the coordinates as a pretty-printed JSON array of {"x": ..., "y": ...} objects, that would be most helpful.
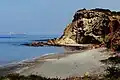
[{"x": 44, "y": 16}]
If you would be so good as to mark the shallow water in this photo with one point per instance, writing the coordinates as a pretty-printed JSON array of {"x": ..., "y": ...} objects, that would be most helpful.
[{"x": 12, "y": 51}]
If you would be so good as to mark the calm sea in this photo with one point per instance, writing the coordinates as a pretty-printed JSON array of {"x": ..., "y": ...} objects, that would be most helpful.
[{"x": 11, "y": 49}]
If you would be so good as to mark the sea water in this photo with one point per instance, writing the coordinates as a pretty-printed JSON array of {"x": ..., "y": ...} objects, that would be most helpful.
[{"x": 11, "y": 49}]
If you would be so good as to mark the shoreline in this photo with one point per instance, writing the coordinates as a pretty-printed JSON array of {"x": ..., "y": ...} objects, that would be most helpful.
[
  {"x": 69, "y": 64},
  {"x": 74, "y": 64},
  {"x": 66, "y": 64},
  {"x": 16, "y": 66}
]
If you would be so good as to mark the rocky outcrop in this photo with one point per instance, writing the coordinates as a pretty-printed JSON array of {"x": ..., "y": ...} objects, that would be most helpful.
[{"x": 95, "y": 26}]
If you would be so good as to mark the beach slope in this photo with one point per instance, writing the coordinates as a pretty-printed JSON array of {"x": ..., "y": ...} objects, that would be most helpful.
[{"x": 71, "y": 65}]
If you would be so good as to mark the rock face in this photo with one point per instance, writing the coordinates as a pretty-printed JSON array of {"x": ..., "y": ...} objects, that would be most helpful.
[{"x": 93, "y": 26}]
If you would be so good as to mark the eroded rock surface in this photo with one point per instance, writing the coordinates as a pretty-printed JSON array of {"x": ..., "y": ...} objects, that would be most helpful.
[{"x": 95, "y": 26}]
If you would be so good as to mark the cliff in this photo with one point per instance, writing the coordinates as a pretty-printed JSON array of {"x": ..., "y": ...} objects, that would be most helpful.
[{"x": 95, "y": 26}]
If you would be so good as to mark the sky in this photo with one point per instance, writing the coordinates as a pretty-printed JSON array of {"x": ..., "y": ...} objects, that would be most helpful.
[{"x": 44, "y": 17}]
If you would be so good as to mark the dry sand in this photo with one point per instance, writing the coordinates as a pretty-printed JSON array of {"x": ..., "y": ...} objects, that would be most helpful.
[{"x": 71, "y": 65}]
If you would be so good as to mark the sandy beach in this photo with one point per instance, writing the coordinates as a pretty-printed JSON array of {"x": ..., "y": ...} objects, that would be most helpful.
[{"x": 66, "y": 65}]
